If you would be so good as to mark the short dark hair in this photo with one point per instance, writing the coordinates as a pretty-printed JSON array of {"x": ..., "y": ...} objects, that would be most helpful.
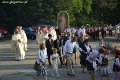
[{"x": 49, "y": 35}]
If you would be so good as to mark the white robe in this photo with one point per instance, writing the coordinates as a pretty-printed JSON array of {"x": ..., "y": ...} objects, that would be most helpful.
[
  {"x": 54, "y": 35},
  {"x": 24, "y": 39},
  {"x": 17, "y": 47}
]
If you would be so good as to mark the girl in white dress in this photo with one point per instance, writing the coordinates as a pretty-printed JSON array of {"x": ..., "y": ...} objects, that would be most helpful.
[{"x": 55, "y": 63}]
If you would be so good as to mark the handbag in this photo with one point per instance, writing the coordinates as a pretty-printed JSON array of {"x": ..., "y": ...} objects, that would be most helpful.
[{"x": 36, "y": 65}]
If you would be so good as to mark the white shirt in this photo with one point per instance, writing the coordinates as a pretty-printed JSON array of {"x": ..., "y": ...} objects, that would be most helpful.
[
  {"x": 101, "y": 58},
  {"x": 105, "y": 28},
  {"x": 73, "y": 30},
  {"x": 87, "y": 47},
  {"x": 55, "y": 61},
  {"x": 69, "y": 46},
  {"x": 41, "y": 55},
  {"x": 117, "y": 61},
  {"x": 81, "y": 30},
  {"x": 67, "y": 30},
  {"x": 99, "y": 45},
  {"x": 110, "y": 27},
  {"x": 92, "y": 55}
]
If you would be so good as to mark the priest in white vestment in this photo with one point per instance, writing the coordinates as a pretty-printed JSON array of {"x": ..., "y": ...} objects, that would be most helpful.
[
  {"x": 23, "y": 36},
  {"x": 53, "y": 33},
  {"x": 17, "y": 47}
]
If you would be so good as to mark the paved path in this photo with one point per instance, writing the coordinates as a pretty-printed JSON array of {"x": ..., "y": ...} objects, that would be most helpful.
[{"x": 23, "y": 70}]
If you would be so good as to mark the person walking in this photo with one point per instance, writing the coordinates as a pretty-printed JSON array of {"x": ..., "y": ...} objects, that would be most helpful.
[
  {"x": 17, "y": 47},
  {"x": 91, "y": 59},
  {"x": 41, "y": 60},
  {"x": 49, "y": 45},
  {"x": 68, "y": 52},
  {"x": 87, "y": 48},
  {"x": 116, "y": 66}
]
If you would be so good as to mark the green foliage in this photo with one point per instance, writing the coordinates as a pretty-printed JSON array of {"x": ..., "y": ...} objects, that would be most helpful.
[{"x": 80, "y": 12}]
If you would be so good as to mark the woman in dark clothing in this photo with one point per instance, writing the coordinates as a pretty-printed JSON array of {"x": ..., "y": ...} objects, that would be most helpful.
[{"x": 87, "y": 48}]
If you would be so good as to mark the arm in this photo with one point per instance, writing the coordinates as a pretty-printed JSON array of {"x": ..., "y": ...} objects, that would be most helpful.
[
  {"x": 100, "y": 59},
  {"x": 76, "y": 46},
  {"x": 64, "y": 48}
]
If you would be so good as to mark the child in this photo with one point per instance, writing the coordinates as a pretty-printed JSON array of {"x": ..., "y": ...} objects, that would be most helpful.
[
  {"x": 116, "y": 67},
  {"x": 55, "y": 63},
  {"x": 103, "y": 61}
]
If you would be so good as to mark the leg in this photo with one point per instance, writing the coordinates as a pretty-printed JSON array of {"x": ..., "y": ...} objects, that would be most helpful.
[
  {"x": 75, "y": 58},
  {"x": 45, "y": 77},
  {"x": 83, "y": 67},
  {"x": 52, "y": 72},
  {"x": 109, "y": 32},
  {"x": 60, "y": 58},
  {"x": 57, "y": 73},
  {"x": 92, "y": 75},
  {"x": 49, "y": 59},
  {"x": 71, "y": 65},
  {"x": 68, "y": 64}
]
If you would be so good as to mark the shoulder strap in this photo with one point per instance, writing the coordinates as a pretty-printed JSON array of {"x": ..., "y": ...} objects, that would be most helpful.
[{"x": 40, "y": 55}]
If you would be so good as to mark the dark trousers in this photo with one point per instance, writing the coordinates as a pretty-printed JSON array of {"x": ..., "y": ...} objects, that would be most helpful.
[
  {"x": 97, "y": 35},
  {"x": 49, "y": 53},
  {"x": 102, "y": 33},
  {"x": 105, "y": 33},
  {"x": 93, "y": 35},
  {"x": 49, "y": 60},
  {"x": 110, "y": 32}
]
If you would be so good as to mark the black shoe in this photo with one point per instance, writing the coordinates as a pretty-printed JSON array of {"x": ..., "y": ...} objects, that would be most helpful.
[
  {"x": 68, "y": 74},
  {"x": 72, "y": 74}
]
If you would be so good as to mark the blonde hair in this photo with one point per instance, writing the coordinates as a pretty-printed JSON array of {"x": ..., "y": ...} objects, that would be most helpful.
[{"x": 42, "y": 45}]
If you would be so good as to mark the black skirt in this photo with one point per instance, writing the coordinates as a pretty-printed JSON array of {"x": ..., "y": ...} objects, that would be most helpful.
[
  {"x": 90, "y": 66},
  {"x": 83, "y": 60}
]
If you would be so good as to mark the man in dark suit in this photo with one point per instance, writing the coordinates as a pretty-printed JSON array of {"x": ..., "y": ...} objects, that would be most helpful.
[
  {"x": 57, "y": 45},
  {"x": 49, "y": 46}
]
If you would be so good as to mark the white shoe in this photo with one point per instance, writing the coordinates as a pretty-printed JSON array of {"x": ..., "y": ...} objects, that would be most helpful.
[{"x": 58, "y": 77}]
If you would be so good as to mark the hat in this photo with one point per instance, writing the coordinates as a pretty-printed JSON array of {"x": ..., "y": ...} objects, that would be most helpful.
[
  {"x": 101, "y": 50},
  {"x": 117, "y": 52}
]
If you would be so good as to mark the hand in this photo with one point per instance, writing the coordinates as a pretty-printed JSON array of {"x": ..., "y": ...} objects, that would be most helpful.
[
  {"x": 19, "y": 40},
  {"x": 84, "y": 52},
  {"x": 44, "y": 63}
]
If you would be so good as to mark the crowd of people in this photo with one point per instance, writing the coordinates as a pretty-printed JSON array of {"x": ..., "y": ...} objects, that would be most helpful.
[{"x": 54, "y": 45}]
